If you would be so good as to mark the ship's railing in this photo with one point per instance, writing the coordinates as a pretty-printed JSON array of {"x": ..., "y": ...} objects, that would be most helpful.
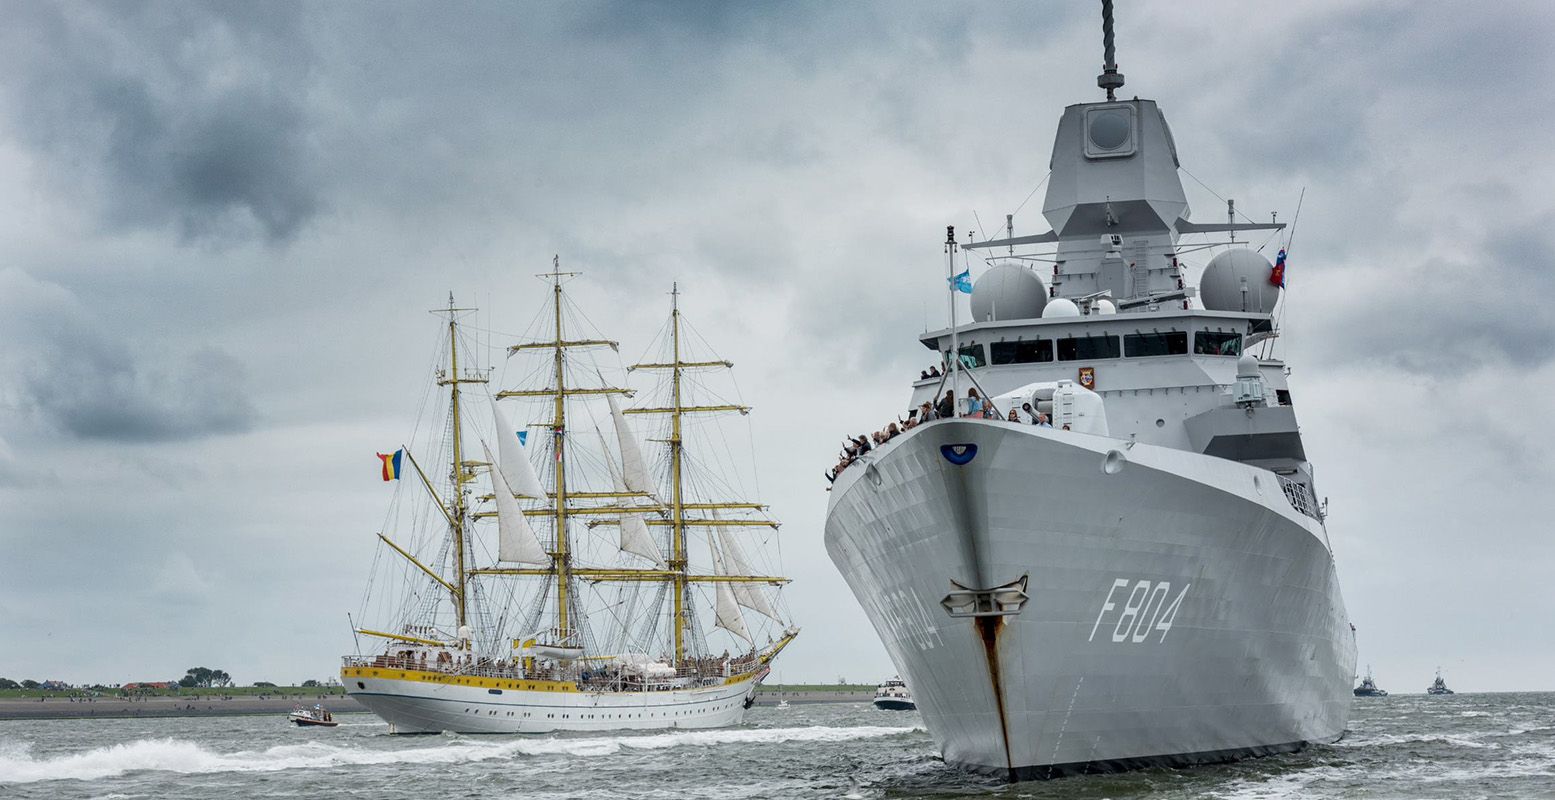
[
  {"x": 1301, "y": 497},
  {"x": 694, "y": 672}
]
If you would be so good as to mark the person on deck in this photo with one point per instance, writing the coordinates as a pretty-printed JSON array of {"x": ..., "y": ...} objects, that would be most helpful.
[{"x": 974, "y": 404}]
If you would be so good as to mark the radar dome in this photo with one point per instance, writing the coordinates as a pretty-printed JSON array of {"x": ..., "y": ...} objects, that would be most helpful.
[
  {"x": 1104, "y": 306},
  {"x": 1221, "y": 285},
  {"x": 1061, "y": 307},
  {"x": 1008, "y": 291}
]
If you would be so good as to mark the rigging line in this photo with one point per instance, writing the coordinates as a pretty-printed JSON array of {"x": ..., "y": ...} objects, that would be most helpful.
[
  {"x": 1033, "y": 193},
  {"x": 1195, "y": 178}
]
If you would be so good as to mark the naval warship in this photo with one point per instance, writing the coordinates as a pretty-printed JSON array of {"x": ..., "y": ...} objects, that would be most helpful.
[{"x": 1144, "y": 577}]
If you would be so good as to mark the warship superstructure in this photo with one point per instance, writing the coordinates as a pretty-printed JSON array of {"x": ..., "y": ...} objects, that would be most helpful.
[
  {"x": 1146, "y": 579},
  {"x": 622, "y": 605}
]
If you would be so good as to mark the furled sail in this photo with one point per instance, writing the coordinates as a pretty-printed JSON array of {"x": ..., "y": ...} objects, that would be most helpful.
[
  {"x": 635, "y": 538},
  {"x": 515, "y": 465},
  {"x": 633, "y": 473},
  {"x": 746, "y": 594},
  {"x": 726, "y": 610},
  {"x": 516, "y": 541}
]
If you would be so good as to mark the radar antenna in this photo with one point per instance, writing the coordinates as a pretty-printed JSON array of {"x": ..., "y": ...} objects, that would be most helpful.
[{"x": 1109, "y": 79}]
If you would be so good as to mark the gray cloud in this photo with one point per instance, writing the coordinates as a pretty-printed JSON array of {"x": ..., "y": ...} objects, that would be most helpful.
[
  {"x": 168, "y": 114},
  {"x": 66, "y": 368}
]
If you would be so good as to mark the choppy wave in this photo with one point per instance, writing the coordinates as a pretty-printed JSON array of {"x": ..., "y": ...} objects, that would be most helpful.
[{"x": 18, "y": 765}]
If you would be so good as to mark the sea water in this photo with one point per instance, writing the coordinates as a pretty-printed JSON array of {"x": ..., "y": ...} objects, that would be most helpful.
[{"x": 1464, "y": 746}]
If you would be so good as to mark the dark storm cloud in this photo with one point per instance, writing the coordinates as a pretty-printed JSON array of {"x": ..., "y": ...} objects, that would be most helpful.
[
  {"x": 164, "y": 114},
  {"x": 70, "y": 369}
]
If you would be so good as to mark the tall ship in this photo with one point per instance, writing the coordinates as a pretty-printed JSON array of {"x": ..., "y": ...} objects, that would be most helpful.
[
  {"x": 559, "y": 576},
  {"x": 1134, "y": 570},
  {"x": 1438, "y": 686}
]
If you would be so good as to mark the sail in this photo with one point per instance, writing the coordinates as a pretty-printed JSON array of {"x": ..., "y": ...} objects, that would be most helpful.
[
  {"x": 726, "y": 610},
  {"x": 515, "y": 465},
  {"x": 516, "y": 541},
  {"x": 633, "y": 474},
  {"x": 635, "y": 538},
  {"x": 746, "y": 594}
]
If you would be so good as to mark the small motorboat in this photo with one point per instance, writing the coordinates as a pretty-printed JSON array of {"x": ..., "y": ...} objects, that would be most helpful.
[
  {"x": 782, "y": 704},
  {"x": 317, "y": 716},
  {"x": 893, "y": 696}
]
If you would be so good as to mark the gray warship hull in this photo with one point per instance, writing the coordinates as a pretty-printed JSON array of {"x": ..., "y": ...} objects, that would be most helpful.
[{"x": 1177, "y": 609}]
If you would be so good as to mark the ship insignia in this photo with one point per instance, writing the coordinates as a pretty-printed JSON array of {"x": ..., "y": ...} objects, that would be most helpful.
[
  {"x": 1088, "y": 377},
  {"x": 958, "y": 454}
]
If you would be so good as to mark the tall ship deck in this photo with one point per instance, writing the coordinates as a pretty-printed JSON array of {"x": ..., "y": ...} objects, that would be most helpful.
[
  {"x": 1136, "y": 569},
  {"x": 554, "y": 576}
]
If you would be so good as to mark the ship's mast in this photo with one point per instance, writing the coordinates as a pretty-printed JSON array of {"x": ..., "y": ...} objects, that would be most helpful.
[
  {"x": 461, "y": 475},
  {"x": 560, "y": 559},
  {"x": 677, "y": 503},
  {"x": 676, "y": 570}
]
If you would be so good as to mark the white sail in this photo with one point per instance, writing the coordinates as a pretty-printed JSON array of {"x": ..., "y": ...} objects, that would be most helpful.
[
  {"x": 726, "y": 610},
  {"x": 635, "y": 538},
  {"x": 633, "y": 473},
  {"x": 750, "y": 595},
  {"x": 516, "y": 541},
  {"x": 515, "y": 465}
]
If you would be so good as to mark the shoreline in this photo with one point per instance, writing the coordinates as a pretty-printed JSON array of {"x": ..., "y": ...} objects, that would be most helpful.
[{"x": 33, "y": 708}]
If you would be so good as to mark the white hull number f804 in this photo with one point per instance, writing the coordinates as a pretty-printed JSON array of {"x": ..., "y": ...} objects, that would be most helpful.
[{"x": 1143, "y": 613}]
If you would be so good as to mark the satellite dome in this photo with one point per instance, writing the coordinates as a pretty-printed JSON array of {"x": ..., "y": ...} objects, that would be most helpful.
[
  {"x": 1221, "y": 285},
  {"x": 1008, "y": 291},
  {"x": 1061, "y": 307},
  {"x": 1247, "y": 366},
  {"x": 1103, "y": 306}
]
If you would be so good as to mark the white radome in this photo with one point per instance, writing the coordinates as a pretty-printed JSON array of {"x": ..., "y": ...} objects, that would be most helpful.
[
  {"x": 1060, "y": 307},
  {"x": 1221, "y": 285},
  {"x": 1009, "y": 290}
]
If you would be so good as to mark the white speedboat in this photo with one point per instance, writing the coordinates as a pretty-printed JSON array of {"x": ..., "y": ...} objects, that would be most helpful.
[
  {"x": 893, "y": 696},
  {"x": 317, "y": 716}
]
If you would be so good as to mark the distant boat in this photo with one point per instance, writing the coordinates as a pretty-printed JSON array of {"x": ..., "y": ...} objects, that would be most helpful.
[
  {"x": 782, "y": 705},
  {"x": 893, "y": 696},
  {"x": 1438, "y": 686},
  {"x": 1368, "y": 687},
  {"x": 317, "y": 716}
]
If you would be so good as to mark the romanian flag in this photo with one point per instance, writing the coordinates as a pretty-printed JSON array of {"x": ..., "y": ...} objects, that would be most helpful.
[{"x": 391, "y": 464}]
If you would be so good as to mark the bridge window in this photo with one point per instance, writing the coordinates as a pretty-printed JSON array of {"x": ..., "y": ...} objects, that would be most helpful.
[
  {"x": 1217, "y": 343},
  {"x": 1087, "y": 348},
  {"x": 972, "y": 355},
  {"x": 1171, "y": 343},
  {"x": 1035, "y": 351}
]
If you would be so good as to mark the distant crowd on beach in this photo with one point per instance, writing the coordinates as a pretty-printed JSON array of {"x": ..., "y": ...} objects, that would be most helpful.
[{"x": 976, "y": 407}]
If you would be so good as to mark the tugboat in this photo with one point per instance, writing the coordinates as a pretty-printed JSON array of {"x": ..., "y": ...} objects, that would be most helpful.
[
  {"x": 1439, "y": 686},
  {"x": 317, "y": 716},
  {"x": 1368, "y": 687},
  {"x": 893, "y": 696}
]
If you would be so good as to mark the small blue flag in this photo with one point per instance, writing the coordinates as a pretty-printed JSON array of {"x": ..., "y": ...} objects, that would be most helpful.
[
  {"x": 523, "y": 438},
  {"x": 962, "y": 282}
]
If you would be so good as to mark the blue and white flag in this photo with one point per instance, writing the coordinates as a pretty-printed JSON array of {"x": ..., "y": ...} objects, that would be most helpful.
[
  {"x": 523, "y": 437},
  {"x": 962, "y": 282}
]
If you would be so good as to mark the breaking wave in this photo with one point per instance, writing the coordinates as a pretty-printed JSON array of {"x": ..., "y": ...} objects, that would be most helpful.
[{"x": 17, "y": 764}]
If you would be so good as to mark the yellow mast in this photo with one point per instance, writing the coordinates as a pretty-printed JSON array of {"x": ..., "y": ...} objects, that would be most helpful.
[
  {"x": 677, "y": 511},
  {"x": 564, "y": 503},
  {"x": 460, "y": 475},
  {"x": 560, "y": 560}
]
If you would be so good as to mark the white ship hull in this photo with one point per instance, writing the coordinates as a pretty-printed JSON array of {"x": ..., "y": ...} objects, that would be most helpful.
[
  {"x": 1180, "y": 610},
  {"x": 414, "y": 701}
]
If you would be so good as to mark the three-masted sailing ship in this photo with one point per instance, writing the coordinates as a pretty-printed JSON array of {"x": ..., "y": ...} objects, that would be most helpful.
[{"x": 623, "y": 592}]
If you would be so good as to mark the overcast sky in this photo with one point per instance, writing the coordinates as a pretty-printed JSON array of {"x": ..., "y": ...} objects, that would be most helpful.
[{"x": 221, "y": 225}]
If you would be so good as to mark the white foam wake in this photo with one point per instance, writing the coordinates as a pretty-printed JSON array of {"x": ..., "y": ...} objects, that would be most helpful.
[{"x": 18, "y": 765}]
